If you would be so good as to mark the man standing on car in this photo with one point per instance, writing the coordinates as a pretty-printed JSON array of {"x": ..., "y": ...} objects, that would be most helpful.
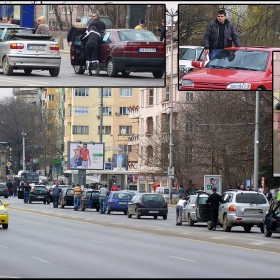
[
  {"x": 76, "y": 26},
  {"x": 55, "y": 193},
  {"x": 214, "y": 199},
  {"x": 103, "y": 193},
  {"x": 77, "y": 197},
  {"x": 219, "y": 34},
  {"x": 99, "y": 24}
]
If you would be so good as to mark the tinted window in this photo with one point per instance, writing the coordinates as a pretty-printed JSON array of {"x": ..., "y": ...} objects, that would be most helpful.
[
  {"x": 95, "y": 194},
  {"x": 250, "y": 198},
  {"x": 70, "y": 191},
  {"x": 40, "y": 188},
  {"x": 121, "y": 196},
  {"x": 135, "y": 35},
  {"x": 152, "y": 197},
  {"x": 202, "y": 200}
]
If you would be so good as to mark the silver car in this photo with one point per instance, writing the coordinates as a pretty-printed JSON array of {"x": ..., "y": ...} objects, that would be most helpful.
[{"x": 21, "y": 49}]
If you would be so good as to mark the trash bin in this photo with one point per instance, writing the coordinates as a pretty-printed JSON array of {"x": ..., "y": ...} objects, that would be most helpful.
[{"x": 20, "y": 194}]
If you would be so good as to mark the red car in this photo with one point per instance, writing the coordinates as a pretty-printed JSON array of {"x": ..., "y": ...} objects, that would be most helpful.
[
  {"x": 125, "y": 51},
  {"x": 234, "y": 68}
]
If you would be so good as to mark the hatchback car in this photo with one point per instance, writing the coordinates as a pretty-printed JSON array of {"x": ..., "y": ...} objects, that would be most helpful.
[
  {"x": 90, "y": 199},
  {"x": 39, "y": 193},
  {"x": 234, "y": 68},
  {"x": 4, "y": 190},
  {"x": 125, "y": 51},
  {"x": 147, "y": 204},
  {"x": 66, "y": 197},
  {"x": 4, "y": 215},
  {"x": 21, "y": 49},
  {"x": 117, "y": 201},
  {"x": 272, "y": 220}
]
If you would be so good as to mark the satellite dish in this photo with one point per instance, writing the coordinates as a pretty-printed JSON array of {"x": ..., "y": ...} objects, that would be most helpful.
[{"x": 123, "y": 131}]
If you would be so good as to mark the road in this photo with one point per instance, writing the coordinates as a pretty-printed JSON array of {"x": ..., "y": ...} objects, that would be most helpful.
[{"x": 67, "y": 78}]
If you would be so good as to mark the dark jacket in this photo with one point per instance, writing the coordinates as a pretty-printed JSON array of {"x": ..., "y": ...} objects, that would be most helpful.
[
  {"x": 99, "y": 24},
  {"x": 27, "y": 188},
  {"x": 91, "y": 37},
  {"x": 77, "y": 25},
  {"x": 56, "y": 190},
  {"x": 9, "y": 184},
  {"x": 162, "y": 33},
  {"x": 214, "y": 199},
  {"x": 211, "y": 35}
]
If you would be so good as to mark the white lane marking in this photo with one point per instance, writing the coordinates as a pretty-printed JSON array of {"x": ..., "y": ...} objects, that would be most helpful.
[
  {"x": 40, "y": 260},
  {"x": 46, "y": 230},
  {"x": 3, "y": 246},
  {"x": 98, "y": 241},
  {"x": 23, "y": 82},
  {"x": 259, "y": 243},
  {"x": 218, "y": 237},
  {"x": 181, "y": 259}
]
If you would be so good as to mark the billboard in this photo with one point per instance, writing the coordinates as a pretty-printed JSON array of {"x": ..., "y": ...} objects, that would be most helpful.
[
  {"x": 119, "y": 162},
  {"x": 211, "y": 181},
  {"x": 86, "y": 155}
]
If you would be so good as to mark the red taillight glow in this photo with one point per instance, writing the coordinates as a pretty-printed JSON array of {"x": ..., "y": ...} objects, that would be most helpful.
[
  {"x": 238, "y": 219},
  {"x": 16, "y": 46},
  {"x": 111, "y": 202},
  {"x": 54, "y": 47},
  {"x": 231, "y": 208}
]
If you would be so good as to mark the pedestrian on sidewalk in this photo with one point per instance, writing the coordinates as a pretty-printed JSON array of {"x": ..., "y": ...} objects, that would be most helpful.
[
  {"x": 179, "y": 210},
  {"x": 26, "y": 191}
]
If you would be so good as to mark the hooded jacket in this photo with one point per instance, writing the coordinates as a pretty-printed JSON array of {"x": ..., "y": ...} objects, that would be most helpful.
[
  {"x": 211, "y": 35},
  {"x": 76, "y": 25}
]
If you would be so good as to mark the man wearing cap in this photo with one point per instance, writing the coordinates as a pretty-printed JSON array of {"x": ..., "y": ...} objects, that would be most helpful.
[{"x": 214, "y": 200}]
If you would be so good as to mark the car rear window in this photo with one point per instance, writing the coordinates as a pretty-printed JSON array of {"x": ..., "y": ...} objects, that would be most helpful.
[
  {"x": 152, "y": 197},
  {"x": 95, "y": 194},
  {"x": 135, "y": 35},
  {"x": 254, "y": 198},
  {"x": 121, "y": 196},
  {"x": 39, "y": 188},
  {"x": 70, "y": 191}
]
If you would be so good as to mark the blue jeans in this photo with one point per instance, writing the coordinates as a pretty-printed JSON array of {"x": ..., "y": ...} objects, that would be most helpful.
[
  {"x": 102, "y": 200},
  {"x": 212, "y": 53},
  {"x": 25, "y": 196},
  {"x": 15, "y": 192},
  {"x": 55, "y": 200},
  {"x": 77, "y": 201}
]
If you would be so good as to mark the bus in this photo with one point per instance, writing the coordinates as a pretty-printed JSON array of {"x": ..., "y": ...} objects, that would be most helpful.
[{"x": 30, "y": 177}]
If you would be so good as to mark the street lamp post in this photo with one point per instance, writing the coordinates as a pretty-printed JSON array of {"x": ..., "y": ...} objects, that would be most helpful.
[
  {"x": 23, "y": 150},
  {"x": 256, "y": 146}
]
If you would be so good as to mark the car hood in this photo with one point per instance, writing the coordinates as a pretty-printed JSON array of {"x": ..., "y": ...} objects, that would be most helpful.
[{"x": 225, "y": 76}]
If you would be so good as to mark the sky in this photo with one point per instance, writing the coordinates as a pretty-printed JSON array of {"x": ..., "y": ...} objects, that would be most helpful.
[{"x": 4, "y": 92}]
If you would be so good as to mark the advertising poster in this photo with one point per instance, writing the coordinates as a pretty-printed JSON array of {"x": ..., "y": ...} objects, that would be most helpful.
[
  {"x": 119, "y": 162},
  {"x": 211, "y": 181},
  {"x": 86, "y": 155}
]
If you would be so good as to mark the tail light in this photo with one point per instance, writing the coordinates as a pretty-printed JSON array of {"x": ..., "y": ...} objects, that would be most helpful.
[
  {"x": 6, "y": 189},
  {"x": 54, "y": 47},
  {"x": 165, "y": 204},
  {"x": 231, "y": 208},
  {"x": 111, "y": 202},
  {"x": 85, "y": 197},
  {"x": 16, "y": 46}
]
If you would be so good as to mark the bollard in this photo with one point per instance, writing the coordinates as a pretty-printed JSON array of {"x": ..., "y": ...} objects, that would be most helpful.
[{"x": 60, "y": 42}]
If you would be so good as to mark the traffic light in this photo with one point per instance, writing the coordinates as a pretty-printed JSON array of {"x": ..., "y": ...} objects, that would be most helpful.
[{"x": 8, "y": 170}]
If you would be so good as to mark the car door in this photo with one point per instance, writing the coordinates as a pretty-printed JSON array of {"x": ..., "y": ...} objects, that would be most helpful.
[
  {"x": 226, "y": 199},
  {"x": 104, "y": 48},
  {"x": 131, "y": 206},
  {"x": 202, "y": 209},
  {"x": 77, "y": 49}
]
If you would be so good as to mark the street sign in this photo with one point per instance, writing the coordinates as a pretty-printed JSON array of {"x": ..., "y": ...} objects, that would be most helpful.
[
  {"x": 170, "y": 171},
  {"x": 9, "y": 164}
]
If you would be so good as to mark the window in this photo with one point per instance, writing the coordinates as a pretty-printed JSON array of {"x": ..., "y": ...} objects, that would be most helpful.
[
  {"x": 126, "y": 92},
  {"x": 107, "y": 92},
  {"x": 167, "y": 94},
  {"x": 123, "y": 111},
  {"x": 105, "y": 130},
  {"x": 80, "y": 91},
  {"x": 80, "y": 110},
  {"x": 107, "y": 111},
  {"x": 151, "y": 97},
  {"x": 126, "y": 148},
  {"x": 189, "y": 96},
  {"x": 142, "y": 98},
  {"x": 189, "y": 155},
  {"x": 50, "y": 97},
  {"x": 80, "y": 129},
  {"x": 125, "y": 130}
]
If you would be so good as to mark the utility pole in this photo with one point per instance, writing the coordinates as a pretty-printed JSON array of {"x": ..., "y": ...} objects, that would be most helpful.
[
  {"x": 23, "y": 150},
  {"x": 256, "y": 146},
  {"x": 101, "y": 116}
]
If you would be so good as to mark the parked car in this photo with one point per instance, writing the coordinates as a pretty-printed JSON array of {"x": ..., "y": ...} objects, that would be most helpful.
[
  {"x": 21, "y": 49},
  {"x": 90, "y": 199},
  {"x": 4, "y": 214},
  {"x": 117, "y": 201},
  {"x": 234, "y": 68},
  {"x": 51, "y": 188},
  {"x": 165, "y": 192},
  {"x": 4, "y": 191},
  {"x": 66, "y": 197},
  {"x": 125, "y": 51},
  {"x": 196, "y": 210},
  {"x": 272, "y": 220},
  {"x": 39, "y": 193},
  {"x": 147, "y": 204},
  {"x": 109, "y": 24},
  {"x": 132, "y": 193}
]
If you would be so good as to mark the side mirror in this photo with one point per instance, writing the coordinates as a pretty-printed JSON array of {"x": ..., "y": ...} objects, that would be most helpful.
[{"x": 196, "y": 64}]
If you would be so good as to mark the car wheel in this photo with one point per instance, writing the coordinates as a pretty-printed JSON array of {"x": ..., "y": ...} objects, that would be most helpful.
[
  {"x": 45, "y": 201},
  {"x": 225, "y": 226},
  {"x": 137, "y": 214},
  {"x": 125, "y": 212},
  {"x": 49, "y": 202},
  {"x": 158, "y": 74},
  {"x": 267, "y": 233},
  {"x": 79, "y": 69},
  {"x": 262, "y": 229},
  {"x": 108, "y": 210},
  {"x": 128, "y": 215},
  {"x": 247, "y": 229},
  {"x": 190, "y": 221},
  {"x": 164, "y": 217},
  {"x": 6, "y": 196},
  {"x": 155, "y": 217},
  {"x": 54, "y": 72},
  {"x": 5, "y": 226},
  {"x": 27, "y": 71},
  {"x": 124, "y": 73},
  {"x": 111, "y": 68},
  {"x": 209, "y": 225},
  {"x": 97, "y": 209},
  {"x": 7, "y": 69}
]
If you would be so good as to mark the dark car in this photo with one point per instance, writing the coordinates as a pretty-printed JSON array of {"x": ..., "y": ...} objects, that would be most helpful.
[
  {"x": 90, "y": 199},
  {"x": 4, "y": 190},
  {"x": 39, "y": 193},
  {"x": 272, "y": 220},
  {"x": 125, "y": 51},
  {"x": 117, "y": 201},
  {"x": 147, "y": 204},
  {"x": 60, "y": 186},
  {"x": 66, "y": 197}
]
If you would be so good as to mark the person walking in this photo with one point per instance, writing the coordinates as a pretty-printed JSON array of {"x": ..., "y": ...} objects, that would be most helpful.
[
  {"x": 162, "y": 31},
  {"x": 9, "y": 185},
  {"x": 15, "y": 187},
  {"x": 141, "y": 25},
  {"x": 55, "y": 194},
  {"x": 93, "y": 40},
  {"x": 278, "y": 196},
  {"x": 26, "y": 191},
  {"x": 42, "y": 27},
  {"x": 179, "y": 210},
  {"x": 214, "y": 200},
  {"x": 76, "y": 26},
  {"x": 103, "y": 193},
  {"x": 77, "y": 197},
  {"x": 268, "y": 195},
  {"x": 219, "y": 34},
  {"x": 98, "y": 23}
]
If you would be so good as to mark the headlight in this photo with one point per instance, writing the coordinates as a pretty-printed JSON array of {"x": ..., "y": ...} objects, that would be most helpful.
[
  {"x": 187, "y": 83},
  {"x": 3, "y": 212},
  {"x": 239, "y": 86}
]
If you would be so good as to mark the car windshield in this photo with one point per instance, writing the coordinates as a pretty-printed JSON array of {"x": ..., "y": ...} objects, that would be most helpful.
[
  {"x": 136, "y": 35},
  {"x": 240, "y": 59},
  {"x": 189, "y": 54},
  {"x": 253, "y": 198}
]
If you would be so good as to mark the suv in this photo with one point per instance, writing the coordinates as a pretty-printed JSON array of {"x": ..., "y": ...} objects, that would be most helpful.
[
  {"x": 39, "y": 193},
  {"x": 109, "y": 24},
  {"x": 242, "y": 208}
]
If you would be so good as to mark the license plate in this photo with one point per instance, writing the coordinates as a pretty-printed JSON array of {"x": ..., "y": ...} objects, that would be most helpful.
[
  {"x": 252, "y": 211},
  {"x": 36, "y": 48},
  {"x": 153, "y": 212},
  {"x": 40, "y": 197},
  {"x": 147, "y": 50},
  {"x": 122, "y": 203}
]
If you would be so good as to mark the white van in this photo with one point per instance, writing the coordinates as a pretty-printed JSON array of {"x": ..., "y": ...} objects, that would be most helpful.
[{"x": 165, "y": 192}]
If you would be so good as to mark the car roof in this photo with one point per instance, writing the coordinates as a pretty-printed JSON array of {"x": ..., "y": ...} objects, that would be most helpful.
[
  {"x": 254, "y": 48},
  {"x": 191, "y": 47}
]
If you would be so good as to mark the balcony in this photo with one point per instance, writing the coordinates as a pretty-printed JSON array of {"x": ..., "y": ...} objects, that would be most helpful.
[
  {"x": 165, "y": 107},
  {"x": 133, "y": 112},
  {"x": 133, "y": 139}
]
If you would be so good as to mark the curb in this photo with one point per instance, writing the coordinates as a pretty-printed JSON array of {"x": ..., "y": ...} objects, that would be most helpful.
[{"x": 64, "y": 51}]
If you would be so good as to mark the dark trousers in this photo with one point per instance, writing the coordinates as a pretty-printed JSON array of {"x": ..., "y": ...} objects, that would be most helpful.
[
  {"x": 179, "y": 212},
  {"x": 55, "y": 200},
  {"x": 214, "y": 216}
]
